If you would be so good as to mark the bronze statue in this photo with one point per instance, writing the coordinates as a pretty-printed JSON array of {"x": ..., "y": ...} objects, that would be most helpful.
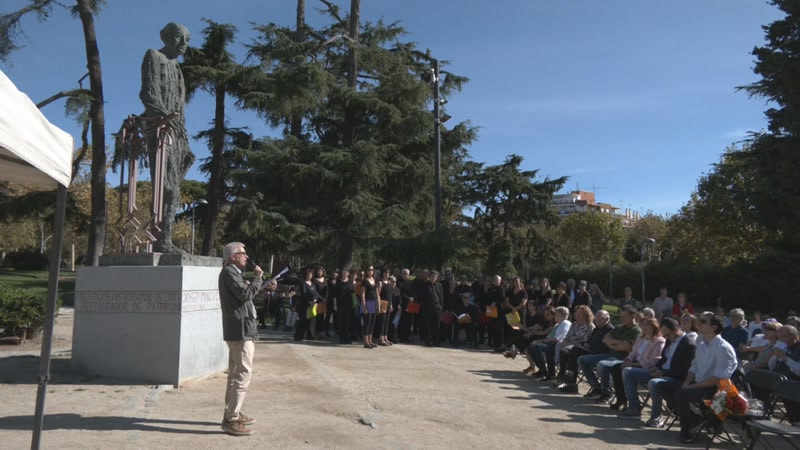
[{"x": 163, "y": 95}]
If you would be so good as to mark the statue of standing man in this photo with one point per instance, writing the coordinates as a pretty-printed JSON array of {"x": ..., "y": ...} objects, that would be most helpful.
[{"x": 163, "y": 94}]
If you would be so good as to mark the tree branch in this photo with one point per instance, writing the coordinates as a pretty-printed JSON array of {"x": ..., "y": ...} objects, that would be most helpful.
[{"x": 62, "y": 94}]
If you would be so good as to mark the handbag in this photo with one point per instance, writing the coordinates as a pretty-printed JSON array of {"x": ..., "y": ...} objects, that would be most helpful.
[
  {"x": 384, "y": 306},
  {"x": 321, "y": 308},
  {"x": 412, "y": 308},
  {"x": 447, "y": 318},
  {"x": 491, "y": 312}
]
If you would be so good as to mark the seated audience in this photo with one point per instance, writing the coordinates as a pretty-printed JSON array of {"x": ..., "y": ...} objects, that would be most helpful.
[
  {"x": 540, "y": 332},
  {"x": 715, "y": 359},
  {"x": 542, "y": 351},
  {"x": 754, "y": 326},
  {"x": 691, "y": 326},
  {"x": 594, "y": 346},
  {"x": 578, "y": 334},
  {"x": 646, "y": 352},
  {"x": 736, "y": 334},
  {"x": 770, "y": 338},
  {"x": 666, "y": 376},
  {"x": 628, "y": 300},
  {"x": 662, "y": 304},
  {"x": 466, "y": 318},
  {"x": 682, "y": 307},
  {"x": 620, "y": 342},
  {"x": 788, "y": 360}
]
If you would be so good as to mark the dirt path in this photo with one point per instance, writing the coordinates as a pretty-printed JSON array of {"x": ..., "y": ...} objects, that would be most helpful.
[{"x": 319, "y": 395}]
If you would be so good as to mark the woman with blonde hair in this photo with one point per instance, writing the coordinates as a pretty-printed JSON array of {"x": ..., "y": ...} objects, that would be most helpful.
[{"x": 578, "y": 334}]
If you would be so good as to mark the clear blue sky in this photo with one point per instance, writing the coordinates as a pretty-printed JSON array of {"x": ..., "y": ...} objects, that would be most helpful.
[{"x": 633, "y": 98}]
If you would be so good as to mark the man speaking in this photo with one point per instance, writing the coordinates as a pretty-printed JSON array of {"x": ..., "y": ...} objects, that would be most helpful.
[{"x": 239, "y": 330}]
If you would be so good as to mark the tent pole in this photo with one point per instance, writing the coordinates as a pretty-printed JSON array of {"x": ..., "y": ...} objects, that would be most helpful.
[{"x": 50, "y": 313}]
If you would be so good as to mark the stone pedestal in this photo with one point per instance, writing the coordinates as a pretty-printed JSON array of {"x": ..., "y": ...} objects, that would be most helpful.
[{"x": 155, "y": 323}]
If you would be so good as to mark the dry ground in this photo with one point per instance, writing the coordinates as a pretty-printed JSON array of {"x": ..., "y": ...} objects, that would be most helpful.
[{"x": 316, "y": 395}]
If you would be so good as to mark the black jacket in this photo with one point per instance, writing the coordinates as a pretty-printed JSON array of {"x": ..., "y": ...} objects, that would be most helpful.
[
  {"x": 236, "y": 300},
  {"x": 681, "y": 359}
]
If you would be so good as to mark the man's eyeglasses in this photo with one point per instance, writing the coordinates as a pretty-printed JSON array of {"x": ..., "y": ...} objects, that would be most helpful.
[{"x": 241, "y": 253}]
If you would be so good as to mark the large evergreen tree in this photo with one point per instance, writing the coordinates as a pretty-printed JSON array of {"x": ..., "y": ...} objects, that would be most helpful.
[
  {"x": 772, "y": 158},
  {"x": 361, "y": 169},
  {"x": 212, "y": 68}
]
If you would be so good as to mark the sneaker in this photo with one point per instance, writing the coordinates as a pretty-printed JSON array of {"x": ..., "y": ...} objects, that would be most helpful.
[
  {"x": 236, "y": 428},
  {"x": 246, "y": 420},
  {"x": 570, "y": 388},
  {"x": 593, "y": 392},
  {"x": 604, "y": 398},
  {"x": 630, "y": 413},
  {"x": 655, "y": 422}
]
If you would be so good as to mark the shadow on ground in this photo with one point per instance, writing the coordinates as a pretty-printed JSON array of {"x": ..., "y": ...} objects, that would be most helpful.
[
  {"x": 78, "y": 422},
  {"x": 24, "y": 369},
  {"x": 573, "y": 408}
]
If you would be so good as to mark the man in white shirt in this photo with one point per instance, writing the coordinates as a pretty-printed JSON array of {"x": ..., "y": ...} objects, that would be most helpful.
[{"x": 715, "y": 360}]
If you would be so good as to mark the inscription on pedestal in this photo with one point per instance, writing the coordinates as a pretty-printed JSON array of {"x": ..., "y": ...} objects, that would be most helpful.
[{"x": 145, "y": 301}]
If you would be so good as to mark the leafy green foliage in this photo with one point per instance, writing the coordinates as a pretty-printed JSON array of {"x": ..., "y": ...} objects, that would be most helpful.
[
  {"x": 591, "y": 238},
  {"x": 22, "y": 311}
]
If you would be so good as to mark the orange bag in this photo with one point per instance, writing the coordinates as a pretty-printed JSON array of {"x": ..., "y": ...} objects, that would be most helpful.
[
  {"x": 412, "y": 308},
  {"x": 384, "y": 306},
  {"x": 491, "y": 312}
]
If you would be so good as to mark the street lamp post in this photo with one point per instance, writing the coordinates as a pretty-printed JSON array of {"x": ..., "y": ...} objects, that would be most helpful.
[
  {"x": 194, "y": 205},
  {"x": 644, "y": 245},
  {"x": 437, "y": 123}
]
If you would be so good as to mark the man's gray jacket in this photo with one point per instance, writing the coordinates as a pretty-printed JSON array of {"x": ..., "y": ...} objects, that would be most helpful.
[{"x": 236, "y": 299}]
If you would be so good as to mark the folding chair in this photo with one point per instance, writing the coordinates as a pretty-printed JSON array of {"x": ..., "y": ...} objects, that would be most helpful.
[
  {"x": 760, "y": 386},
  {"x": 787, "y": 391}
]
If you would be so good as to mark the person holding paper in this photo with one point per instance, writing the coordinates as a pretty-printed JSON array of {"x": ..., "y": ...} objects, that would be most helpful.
[{"x": 240, "y": 331}]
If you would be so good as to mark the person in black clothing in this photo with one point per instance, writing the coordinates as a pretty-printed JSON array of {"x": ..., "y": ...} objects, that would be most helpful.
[
  {"x": 532, "y": 321},
  {"x": 569, "y": 362},
  {"x": 396, "y": 306},
  {"x": 329, "y": 310},
  {"x": 562, "y": 298},
  {"x": 307, "y": 296},
  {"x": 466, "y": 318},
  {"x": 384, "y": 315},
  {"x": 515, "y": 300},
  {"x": 546, "y": 293},
  {"x": 405, "y": 286},
  {"x": 496, "y": 297},
  {"x": 482, "y": 300},
  {"x": 582, "y": 297},
  {"x": 431, "y": 308},
  {"x": 449, "y": 297},
  {"x": 321, "y": 285},
  {"x": 273, "y": 304},
  {"x": 345, "y": 305},
  {"x": 369, "y": 305}
]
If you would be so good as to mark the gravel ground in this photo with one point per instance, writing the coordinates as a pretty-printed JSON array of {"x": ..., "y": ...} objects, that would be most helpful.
[{"x": 316, "y": 395}]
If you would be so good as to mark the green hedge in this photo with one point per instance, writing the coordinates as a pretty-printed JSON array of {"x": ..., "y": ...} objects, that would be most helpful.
[
  {"x": 767, "y": 284},
  {"x": 22, "y": 311}
]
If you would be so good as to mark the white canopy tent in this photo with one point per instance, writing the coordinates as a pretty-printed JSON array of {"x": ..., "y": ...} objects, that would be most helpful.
[{"x": 34, "y": 151}]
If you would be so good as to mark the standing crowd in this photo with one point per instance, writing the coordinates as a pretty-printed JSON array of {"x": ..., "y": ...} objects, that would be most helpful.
[{"x": 660, "y": 352}]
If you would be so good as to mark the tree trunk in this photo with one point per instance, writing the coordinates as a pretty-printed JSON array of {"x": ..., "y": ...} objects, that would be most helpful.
[
  {"x": 296, "y": 127},
  {"x": 349, "y": 132},
  {"x": 215, "y": 179},
  {"x": 97, "y": 231}
]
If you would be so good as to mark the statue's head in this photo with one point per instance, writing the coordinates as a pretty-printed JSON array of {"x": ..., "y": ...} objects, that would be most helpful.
[{"x": 176, "y": 39}]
